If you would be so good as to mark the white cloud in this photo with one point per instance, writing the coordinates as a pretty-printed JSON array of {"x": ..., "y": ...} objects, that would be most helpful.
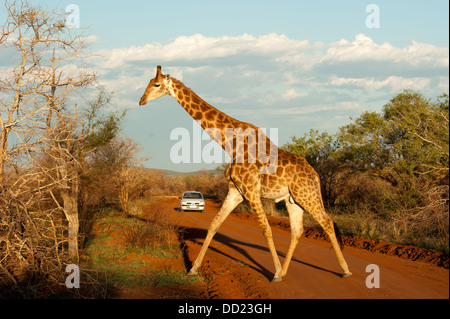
[
  {"x": 199, "y": 47},
  {"x": 91, "y": 39},
  {"x": 364, "y": 48},
  {"x": 310, "y": 109},
  {"x": 273, "y": 80},
  {"x": 443, "y": 83},
  {"x": 292, "y": 94},
  {"x": 344, "y": 105},
  {"x": 253, "y": 62},
  {"x": 279, "y": 76},
  {"x": 394, "y": 83}
]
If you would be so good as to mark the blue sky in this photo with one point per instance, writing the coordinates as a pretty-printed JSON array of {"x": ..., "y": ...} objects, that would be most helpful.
[
  {"x": 290, "y": 65},
  {"x": 127, "y": 23}
]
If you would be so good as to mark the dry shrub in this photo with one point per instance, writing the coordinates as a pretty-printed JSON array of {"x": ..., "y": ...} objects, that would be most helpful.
[
  {"x": 362, "y": 193},
  {"x": 374, "y": 208},
  {"x": 33, "y": 249},
  {"x": 427, "y": 224},
  {"x": 141, "y": 235},
  {"x": 156, "y": 229},
  {"x": 31, "y": 242},
  {"x": 162, "y": 218},
  {"x": 210, "y": 184}
]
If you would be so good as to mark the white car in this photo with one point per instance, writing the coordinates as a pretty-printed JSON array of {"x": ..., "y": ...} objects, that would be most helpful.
[{"x": 192, "y": 201}]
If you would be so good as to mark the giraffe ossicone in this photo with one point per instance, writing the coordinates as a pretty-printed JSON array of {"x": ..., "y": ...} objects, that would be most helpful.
[{"x": 279, "y": 175}]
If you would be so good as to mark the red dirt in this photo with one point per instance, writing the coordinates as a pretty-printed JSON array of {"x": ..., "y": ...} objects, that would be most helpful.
[
  {"x": 238, "y": 264},
  {"x": 409, "y": 252}
]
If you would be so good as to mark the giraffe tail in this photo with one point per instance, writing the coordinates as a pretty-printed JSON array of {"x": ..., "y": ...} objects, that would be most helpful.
[{"x": 338, "y": 235}]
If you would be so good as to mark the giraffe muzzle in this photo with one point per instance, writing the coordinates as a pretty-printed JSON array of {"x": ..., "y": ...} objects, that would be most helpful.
[{"x": 142, "y": 101}]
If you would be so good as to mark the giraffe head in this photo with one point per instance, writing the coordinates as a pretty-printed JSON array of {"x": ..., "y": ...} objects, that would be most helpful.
[{"x": 157, "y": 87}]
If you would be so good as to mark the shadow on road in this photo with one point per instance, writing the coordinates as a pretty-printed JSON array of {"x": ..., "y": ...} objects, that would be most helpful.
[{"x": 197, "y": 235}]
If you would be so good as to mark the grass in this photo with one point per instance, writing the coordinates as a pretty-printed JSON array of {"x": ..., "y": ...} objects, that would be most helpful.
[
  {"x": 134, "y": 251},
  {"x": 373, "y": 227}
]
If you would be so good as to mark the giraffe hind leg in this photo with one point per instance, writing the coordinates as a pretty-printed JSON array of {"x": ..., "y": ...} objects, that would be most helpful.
[
  {"x": 296, "y": 225},
  {"x": 316, "y": 209}
]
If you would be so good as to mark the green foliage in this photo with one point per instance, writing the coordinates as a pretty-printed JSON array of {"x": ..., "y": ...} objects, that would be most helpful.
[
  {"x": 410, "y": 137},
  {"x": 362, "y": 142},
  {"x": 313, "y": 146},
  {"x": 391, "y": 165},
  {"x": 419, "y": 133},
  {"x": 101, "y": 127}
]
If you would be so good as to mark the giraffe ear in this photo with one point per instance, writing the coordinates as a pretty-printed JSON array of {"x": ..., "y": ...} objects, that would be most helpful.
[{"x": 167, "y": 77}]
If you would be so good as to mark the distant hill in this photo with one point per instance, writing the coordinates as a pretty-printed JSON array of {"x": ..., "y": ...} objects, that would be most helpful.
[{"x": 170, "y": 172}]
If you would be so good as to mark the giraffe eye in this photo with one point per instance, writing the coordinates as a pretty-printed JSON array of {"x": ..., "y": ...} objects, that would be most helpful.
[{"x": 157, "y": 85}]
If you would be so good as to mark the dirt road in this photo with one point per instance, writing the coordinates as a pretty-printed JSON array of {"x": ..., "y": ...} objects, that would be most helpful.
[{"x": 238, "y": 265}]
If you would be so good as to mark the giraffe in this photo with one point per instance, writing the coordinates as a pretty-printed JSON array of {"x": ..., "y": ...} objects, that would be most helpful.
[{"x": 290, "y": 178}]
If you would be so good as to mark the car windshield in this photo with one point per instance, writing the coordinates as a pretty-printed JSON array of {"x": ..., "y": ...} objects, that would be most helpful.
[{"x": 192, "y": 195}]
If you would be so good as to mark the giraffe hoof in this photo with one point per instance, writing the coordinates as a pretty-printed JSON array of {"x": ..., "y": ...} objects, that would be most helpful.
[
  {"x": 277, "y": 279},
  {"x": 346, "y": 275},
  {"x": 192, "y": 272}
]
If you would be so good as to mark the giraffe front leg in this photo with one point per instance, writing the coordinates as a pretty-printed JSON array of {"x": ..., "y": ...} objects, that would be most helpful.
[
  {"x": 231, "y": 201},
  {"x": 267, "y": 232}
]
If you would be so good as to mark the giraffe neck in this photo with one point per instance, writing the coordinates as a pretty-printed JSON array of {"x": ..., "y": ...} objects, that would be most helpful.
[
  {"x": 238, "y": 139},
  {"x": 209, "y": 118},
  {"x": 197, "y": 107}
]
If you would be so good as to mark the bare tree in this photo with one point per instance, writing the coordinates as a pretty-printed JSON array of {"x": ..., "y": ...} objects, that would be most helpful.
[
  {"x": 45, "y": 141},
  {"x": 118, "y": 159},
  {"x": 44, "y": 68}
]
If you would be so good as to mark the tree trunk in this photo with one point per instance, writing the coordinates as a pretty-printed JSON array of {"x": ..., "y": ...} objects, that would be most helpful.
[
  {"x": 71, "y": 211},
  {"x": 123, "y": 190},
  {"x": 70, "y": 194},
  {"x": 123, "y": 196}
]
